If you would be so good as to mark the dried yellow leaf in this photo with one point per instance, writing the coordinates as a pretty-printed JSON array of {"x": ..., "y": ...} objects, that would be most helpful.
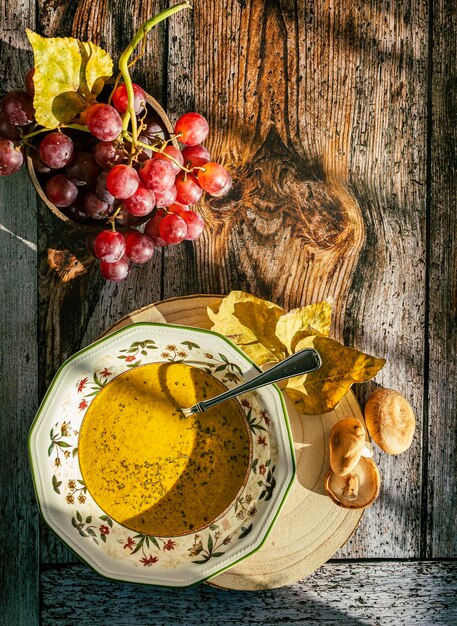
[
  {"x": 266, "y": 333},
  {"x": 322, "y": 390},
  {"x": 313, "y": 319},
  {"x": 68, "y": 75},
  {"x": 250, "y": 322}
]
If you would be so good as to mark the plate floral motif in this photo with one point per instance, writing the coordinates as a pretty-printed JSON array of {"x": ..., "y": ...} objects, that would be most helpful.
[{"x": 112, "y": 549}]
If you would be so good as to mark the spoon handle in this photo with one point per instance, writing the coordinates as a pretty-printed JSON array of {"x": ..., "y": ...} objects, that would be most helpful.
[{"x": 297, "y": 364}]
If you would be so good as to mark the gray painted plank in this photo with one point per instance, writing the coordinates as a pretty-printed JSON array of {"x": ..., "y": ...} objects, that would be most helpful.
[
  {"x": 19, "y": 551},
  {"x": 441, "y": 471},
  {"x": 389, "y": 593},
  {"x": 19, "y": 399}
]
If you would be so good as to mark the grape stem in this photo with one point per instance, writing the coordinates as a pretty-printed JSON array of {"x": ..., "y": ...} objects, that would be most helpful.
[
  {"x": 155, "y": 149},
  {"x": 112, "y": 219},
  {"x": 46, "y": 130},
  {"x": 124, "y": 66},
  {"x": 116, "y": 83}
]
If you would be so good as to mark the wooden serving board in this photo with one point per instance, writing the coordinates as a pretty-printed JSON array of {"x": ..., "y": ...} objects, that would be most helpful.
[{"x": 310, "y": 528}]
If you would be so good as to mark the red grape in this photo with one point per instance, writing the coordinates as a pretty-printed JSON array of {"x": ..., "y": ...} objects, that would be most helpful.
[
  {"x": 108, "y": 153},
  {"x": 193, "y": 129},
  {"x": 145, "y": 153},
  {"x": 75, "y": 212},
  {"x": 18, "y": 108},
  {"x": 11, "y": 159},
  {"x": 103, "y": 121},
  {"x": 139, "y": 248},
  {"x": 166, "y": 198},
  {"x": 124, "y": 218},
  {"x": 157, "y": 174},
  {"x": 109, "y": 246},
  {"x": 195, "y": 156},
  {"x": 29, "y": 84},
  {"x": 122, "y": 181},
  {"x": 225, "y": 189},
  {"x": 96, "y": 208},
  {"x": 61, "y": 191},
  {"x": 189, "y": 191},
  {"x": 56, "y": 150},
  {"x": 152, "y": 129},
  {"x": 120, "y": 98},
  {"x": 101, "y": 190},
  {"x": 83, "y": 170},
  {"x": 177, "y": 207},
  {"x": 116, "y": 271},
  {"x": 215, "y": 179},
  {"x": 152, "y": 229},
  {"x": 38, "y": 164},
  {"x": 7, "y": 130},
  {"x": 174, "y": 153},
  {"x": 126, "y": 233},
  {"x": 142, "y": 202},
  {"x": 195, "y": 224},
  {"x": 172, "y": 228}
]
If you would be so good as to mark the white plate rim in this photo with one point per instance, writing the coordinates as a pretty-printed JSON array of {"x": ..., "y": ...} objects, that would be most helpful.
[{"x": 289, "y": 467}]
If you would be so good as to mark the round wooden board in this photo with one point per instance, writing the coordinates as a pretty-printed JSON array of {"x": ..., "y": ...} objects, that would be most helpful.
[{"x": 311, "y": 527}]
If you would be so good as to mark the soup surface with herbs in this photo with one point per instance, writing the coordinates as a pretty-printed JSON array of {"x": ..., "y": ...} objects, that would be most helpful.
[{"x": 152, "y": 469}]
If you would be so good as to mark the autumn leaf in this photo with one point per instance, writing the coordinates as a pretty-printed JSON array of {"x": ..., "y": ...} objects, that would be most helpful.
[
  {"x": 321, "y": 391},
  {"x": 313, "y": 319},
  {"x": 266, "y": 333},
  {"x": 249, "y": 322},
  {"x": 68, "y": 75}
]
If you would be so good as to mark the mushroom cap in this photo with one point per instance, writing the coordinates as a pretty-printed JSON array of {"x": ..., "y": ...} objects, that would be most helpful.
[
  {"x": 390, "y": 420},
  {"x": 347, "y": 441},
  {"x": 369, "y": 483}
]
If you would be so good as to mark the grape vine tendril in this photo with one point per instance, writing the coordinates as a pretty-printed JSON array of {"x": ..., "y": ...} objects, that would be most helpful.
[
  {"x": 124, "y": 65},
  {"x": 159, "y": 150}
]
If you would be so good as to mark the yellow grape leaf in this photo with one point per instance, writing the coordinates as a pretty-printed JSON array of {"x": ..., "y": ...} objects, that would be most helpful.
[
  {"x": 68, "y": 75},
  {"x": 249, "y": 322},
  {"x": 321, "y": 391},
  {"x": 313, "y": 319}
]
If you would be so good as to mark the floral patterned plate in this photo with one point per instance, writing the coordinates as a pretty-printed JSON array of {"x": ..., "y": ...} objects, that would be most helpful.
[{"x": 113, "y": 550}]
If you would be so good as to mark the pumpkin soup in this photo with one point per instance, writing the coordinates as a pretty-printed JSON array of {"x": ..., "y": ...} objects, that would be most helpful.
[{"x": 150, "y": 468}]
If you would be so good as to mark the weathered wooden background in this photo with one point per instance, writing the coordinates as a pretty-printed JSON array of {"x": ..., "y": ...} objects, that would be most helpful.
[{"x": 339, "y": 122}]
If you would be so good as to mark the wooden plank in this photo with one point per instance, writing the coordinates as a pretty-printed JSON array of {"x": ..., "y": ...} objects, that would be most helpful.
[
  {"x": 19, "y": 551},
  {"x": 319, "y": 111},
  {"x": 386, "y": 311},
  {"x": 440, "y": 472},
  {"x": 19, "y": 393},
  {"x": 354, "y": 593},
  {"x": 74, "y": 313}
]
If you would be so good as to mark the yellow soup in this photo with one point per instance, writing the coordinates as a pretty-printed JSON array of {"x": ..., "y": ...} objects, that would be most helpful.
[{"x": 152, "y": 469}]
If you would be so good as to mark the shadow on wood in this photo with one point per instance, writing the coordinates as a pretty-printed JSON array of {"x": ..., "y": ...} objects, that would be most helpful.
[{"x": 357, "y": 593}]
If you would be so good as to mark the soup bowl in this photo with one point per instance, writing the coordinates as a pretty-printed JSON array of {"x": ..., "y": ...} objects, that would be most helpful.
[{"x": 115, "y": 548}]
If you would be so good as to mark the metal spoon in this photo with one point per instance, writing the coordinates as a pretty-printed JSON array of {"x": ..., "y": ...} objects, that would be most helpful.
[{"x": 298, "y": 364}]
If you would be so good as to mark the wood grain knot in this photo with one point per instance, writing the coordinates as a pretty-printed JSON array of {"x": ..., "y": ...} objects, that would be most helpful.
[
  {"x": 276, "y": 191},
  {"x": 65, "y": 264}
]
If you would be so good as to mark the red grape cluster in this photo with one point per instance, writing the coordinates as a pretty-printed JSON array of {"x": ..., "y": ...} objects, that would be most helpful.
[{"x": 100, "y": 172}]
